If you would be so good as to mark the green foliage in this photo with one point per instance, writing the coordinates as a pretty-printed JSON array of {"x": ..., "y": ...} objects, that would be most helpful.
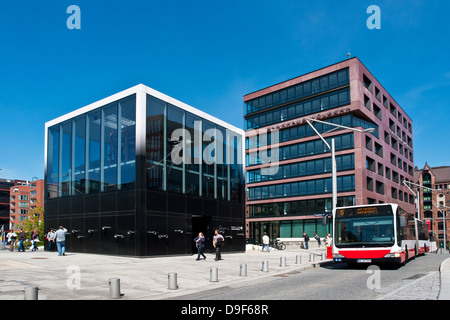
[{"x": 35, "y": 221}]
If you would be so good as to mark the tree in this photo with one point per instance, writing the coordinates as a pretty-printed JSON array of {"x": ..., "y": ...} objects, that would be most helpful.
[{"x": 34, "y": 221}]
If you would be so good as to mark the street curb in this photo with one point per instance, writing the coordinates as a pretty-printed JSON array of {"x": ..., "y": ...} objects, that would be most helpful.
[{"x": 444, "y": 293}]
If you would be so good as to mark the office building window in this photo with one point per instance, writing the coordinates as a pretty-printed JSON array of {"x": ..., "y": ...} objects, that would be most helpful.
[
  {"x": 66, "y": 159},
  {"x": 93, "y": 162},
  {"x": 127, "y": 125},
  {"x": 79, "y": 128},
  {"x": 155, "y": 152}
]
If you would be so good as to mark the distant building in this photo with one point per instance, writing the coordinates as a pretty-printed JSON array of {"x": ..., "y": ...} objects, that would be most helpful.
[
  {"x": 5, "y": 185},
  {"x": 23, "y": 197},
  {"x": 434, "y": 178},
  {"x": 370, "y": 166}
]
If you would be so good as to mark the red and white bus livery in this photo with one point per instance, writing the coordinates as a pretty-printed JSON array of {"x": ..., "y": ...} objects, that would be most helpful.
[{"x": 376, "y": 234}]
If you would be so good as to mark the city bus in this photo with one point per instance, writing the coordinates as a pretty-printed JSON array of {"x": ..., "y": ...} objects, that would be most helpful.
[{"x": 379, "y": 233}]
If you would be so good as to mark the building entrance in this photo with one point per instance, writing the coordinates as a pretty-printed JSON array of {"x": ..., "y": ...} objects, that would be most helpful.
[{"x": 202, "y": 224}]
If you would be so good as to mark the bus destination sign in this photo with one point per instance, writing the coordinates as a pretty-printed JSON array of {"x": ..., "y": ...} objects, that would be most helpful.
[{"x": 364, "y": 211}]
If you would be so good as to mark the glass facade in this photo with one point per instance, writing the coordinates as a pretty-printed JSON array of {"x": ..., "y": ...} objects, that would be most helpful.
[
  {"x": 304, "y": 130},
  {"x": 202, "y": 146},
  {"x": 142, "y": 174},
  {"x": 292, "y": 228},
  {"x": 296, "y": 110},
  {"x": 96, "y": 152},
  {"x": 93, "y": 152},
  {"x": 301, "y": 169},
  {"x": 305, "y": 149},
  {"x": 302, "y": 188},
  {"x": 302, "y": 90}
]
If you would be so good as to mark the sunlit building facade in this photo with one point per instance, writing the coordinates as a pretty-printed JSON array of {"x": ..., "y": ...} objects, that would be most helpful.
[
  {"x": 370, "y": 166},
  {"x": 114, "y": 181}
]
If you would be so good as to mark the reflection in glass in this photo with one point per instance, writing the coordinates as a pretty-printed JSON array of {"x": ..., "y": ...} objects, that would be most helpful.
[
  {"x": 53, "y": 161},
  {"x": 109, "y": 126},
  {"x": 155, "y": 143},
  {"x": 66, "y": 160},
  {"x": 127, "y": 109},
  {"x": 93, "y": 168},
  {"x": 79, "y": 127}
]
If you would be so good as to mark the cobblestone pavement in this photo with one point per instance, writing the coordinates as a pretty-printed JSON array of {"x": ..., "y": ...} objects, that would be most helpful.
[{"x": 424, "y": 288}]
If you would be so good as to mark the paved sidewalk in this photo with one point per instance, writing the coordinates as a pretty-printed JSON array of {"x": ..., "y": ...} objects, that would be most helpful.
[{"x": 78, "y": 276}]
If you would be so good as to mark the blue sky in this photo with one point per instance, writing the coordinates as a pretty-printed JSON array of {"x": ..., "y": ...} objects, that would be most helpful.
[{"x": 209, "y": 54}]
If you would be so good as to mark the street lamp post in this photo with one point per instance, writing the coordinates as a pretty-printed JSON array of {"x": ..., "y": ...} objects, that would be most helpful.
[
  {"x": 418, "y": 193},
  {"x": 445, "y": 228},
  {"x": 333, "y": 157}
]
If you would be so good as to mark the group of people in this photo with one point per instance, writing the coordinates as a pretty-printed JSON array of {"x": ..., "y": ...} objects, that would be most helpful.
[
  {"x": 54, "y": 239},
  {"x": 57, "y": 238},
  {"x": 328, "y": 241},
  {"x": 12, "y": 237},
  {"x": 217, "y": 243}
]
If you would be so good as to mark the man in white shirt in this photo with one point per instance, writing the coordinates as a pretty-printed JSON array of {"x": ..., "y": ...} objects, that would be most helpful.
[{"x": 265, "y": 242}]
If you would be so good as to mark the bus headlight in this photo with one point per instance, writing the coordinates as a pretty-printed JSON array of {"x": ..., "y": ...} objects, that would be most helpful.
[
  {"x": 338, "y": 256},
  {"x": 393, "y": 255}
]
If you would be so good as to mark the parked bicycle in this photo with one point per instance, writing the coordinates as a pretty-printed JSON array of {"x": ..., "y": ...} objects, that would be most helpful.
[{"x": 278, "y": 245}]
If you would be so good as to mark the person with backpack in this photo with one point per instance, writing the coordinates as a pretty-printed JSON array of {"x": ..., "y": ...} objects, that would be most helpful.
[{"x": 217, "y": 244}]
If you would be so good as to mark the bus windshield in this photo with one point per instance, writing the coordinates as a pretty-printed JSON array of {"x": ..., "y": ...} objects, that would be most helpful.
[{"x": 364, "y": 231}]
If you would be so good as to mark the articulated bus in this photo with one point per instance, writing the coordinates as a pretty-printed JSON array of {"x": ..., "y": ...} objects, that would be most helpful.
[{"x": 377, "y": 234}]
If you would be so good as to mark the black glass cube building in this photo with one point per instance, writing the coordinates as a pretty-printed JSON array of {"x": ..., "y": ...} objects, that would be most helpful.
[{"x": 141, "y": 174}]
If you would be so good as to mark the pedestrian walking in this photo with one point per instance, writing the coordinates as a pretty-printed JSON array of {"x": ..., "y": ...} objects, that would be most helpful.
[
  {"x": 317, "y": 239},
  {"x": 328, "y": 240},
  {"x": 265, "y": 242},
  {"x": 60, "y": 238},
  {"x": 22, "y": 238},
  {"x": 34, "y": 240},
  {"x": 200, "y": 244},
  {"x": 306, "y": 238},
  {"x": 217, "y": 243},
  {"x": 12, "y": 237},
  {"x": 51, "y": 240}
]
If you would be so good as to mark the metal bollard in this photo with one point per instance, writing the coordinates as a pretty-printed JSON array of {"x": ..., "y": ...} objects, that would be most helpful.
[
  {"x": 243, "y": 270},
  {"x": 214, "y": 274},
  {"x": 172, "y": 281},
  {"x": 298, "y": 259},
  {"x": 282, "y": 262},
  {"x": 311, "y": 257},
  {"x": 31, "y": 293},
  {"x": 114, "y": 288},
  {"x": 324, "y": 256},
  {"x": 265, "y": 266}
]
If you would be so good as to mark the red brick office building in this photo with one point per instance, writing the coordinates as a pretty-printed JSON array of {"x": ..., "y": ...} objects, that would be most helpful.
[
  {"x": 25, "y": 196},
  {"x": 434, "y": 198},
  {"x": 370, "y": 166}
]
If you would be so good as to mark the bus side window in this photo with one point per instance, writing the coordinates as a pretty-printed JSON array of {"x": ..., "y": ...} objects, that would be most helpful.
[{"x": 402, "y": 221}]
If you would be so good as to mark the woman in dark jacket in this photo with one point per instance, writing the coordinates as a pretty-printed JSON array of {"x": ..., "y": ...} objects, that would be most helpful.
[
  {"x": 34, "y": 239},
  {"x": 200, "y": 243}
]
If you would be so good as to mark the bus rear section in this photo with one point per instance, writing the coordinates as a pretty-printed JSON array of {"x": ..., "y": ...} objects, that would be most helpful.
[{"x": 375, "y": 234}]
